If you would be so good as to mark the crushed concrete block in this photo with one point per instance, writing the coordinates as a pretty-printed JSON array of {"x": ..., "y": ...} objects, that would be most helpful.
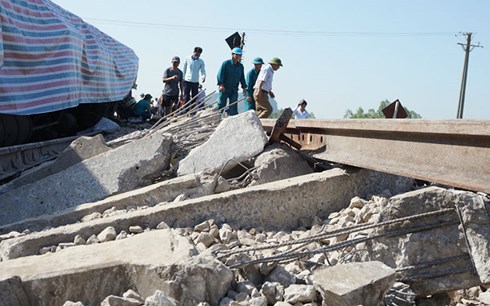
[
  {"x": 113, "y": 300},
  {"x": 360, "y": 283},
  {"x": 278, "y": 162},
  {"x": 108, "y": 234},
  {"x": 115, "y": 171},
  {"x": 273, "y": 292},
  {"x": 485, "y": 297},
  {"x": 70, "y": 303},
  {"x": 477, "y": 229},
  {"x": 156, "y": 260},
  {"x": 131, "y": 294},
  {"x": 300, "y": 294},
  {"x": 237, "y": 138},
  {"x": 160, "y": 299},
  {"x": 445, "y": 245}
]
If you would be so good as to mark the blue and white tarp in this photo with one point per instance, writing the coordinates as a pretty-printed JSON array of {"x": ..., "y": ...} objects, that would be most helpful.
[{"x": 50, "y": 59}]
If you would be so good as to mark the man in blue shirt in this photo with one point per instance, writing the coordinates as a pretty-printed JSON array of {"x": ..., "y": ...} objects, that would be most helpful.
[
  {"x": 251, "y": 78},
  {"x": 142, "y": 108},
  {"x": 192, "y": 66},
  {"x": 230, "y": 75}
]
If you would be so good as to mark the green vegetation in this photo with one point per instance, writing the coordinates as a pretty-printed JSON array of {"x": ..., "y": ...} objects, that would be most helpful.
[{"x": 372, "y": 114}]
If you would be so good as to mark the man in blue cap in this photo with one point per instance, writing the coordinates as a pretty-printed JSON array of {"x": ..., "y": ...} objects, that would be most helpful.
[
  {"x": 230, "y": 75},
  {"x": 251, "y": 78}
]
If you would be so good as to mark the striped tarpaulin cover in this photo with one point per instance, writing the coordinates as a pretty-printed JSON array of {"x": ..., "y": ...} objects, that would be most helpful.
[{"x": 50, "y": 59}]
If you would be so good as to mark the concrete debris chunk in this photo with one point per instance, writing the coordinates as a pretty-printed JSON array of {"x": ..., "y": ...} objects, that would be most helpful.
[
  {"x": 133, "y": 295},
  {"x": 107, "y": 234},
  {"x": 70, "y": 303},
  {"x": 226, "y": 145},
  {"x": 136, "y": 229},
  {"x": 485, "y": 297},
  {"x": 278, "y": 162},
  {"x": 444, "y": 244},
  {"x": 273, "y": 292},
  {"x": 113, "y": 300},
  {"x": 160, "y": 299},
  {"x": 300, "y": 294},
  {"x": 115, "y": 171},
  {"x": 354, "y": 283}
]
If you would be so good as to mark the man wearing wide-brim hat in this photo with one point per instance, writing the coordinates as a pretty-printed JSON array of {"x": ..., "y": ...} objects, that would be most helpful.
[{"x": 263, "y": 88}]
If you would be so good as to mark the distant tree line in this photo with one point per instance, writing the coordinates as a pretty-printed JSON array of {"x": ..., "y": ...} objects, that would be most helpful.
[{"x": 372, "y": 114}]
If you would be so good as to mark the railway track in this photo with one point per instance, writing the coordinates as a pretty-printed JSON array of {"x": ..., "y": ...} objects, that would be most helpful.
[
  {"x": 449, "y": 152},
  {"x": 16, "y": 159}
]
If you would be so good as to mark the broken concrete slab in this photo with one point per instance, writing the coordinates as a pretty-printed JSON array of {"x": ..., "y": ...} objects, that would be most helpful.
[
  {"x": 237, "y": 138},
  {"x": 115, "y": 171},
  {"x": 192, "y": 186},
  {"x": 289, "y": 201},
  {"x": 158, "y": 260},
  {"x": 436, "y": 259},
  {"x": 360, "y": 283},
  {"x": 278, "y": 162},
  {"x": 476, "y": 228}
]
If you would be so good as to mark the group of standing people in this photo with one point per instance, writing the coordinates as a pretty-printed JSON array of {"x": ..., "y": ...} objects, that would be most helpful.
[
  {"x": 257, "y": 86},
  {"x": 182, "y": 86}
]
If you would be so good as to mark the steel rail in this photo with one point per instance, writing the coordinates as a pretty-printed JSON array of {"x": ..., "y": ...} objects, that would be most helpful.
[
  {"x": 449, "y": 152},
  {"x": 18, "y": 158}
]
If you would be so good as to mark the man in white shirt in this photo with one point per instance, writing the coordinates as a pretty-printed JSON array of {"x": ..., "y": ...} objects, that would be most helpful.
[
  {"x": 192, "y": 66},
  {"x": 263, "y": 88},
  {"x": 300, "y": 112}
]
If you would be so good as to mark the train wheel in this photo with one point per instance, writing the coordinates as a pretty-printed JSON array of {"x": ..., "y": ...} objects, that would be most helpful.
[
  {"x": 10, "y": 130},
  {"x": 24, "y": 124}
]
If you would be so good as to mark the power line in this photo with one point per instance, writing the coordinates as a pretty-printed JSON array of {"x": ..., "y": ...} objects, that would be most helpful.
[{"x": 268, "y": 31}]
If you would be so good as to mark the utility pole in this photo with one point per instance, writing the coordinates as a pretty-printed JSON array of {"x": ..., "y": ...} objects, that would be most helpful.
[{"x": 467, "y": 49}]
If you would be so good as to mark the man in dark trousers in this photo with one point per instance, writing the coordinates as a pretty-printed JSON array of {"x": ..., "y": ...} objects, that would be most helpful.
[
  {"x": 251, "y": 79},
  {"x": 230, "y": 75},
  {"x": 193, "y": 65},
  {"x": 172, "y": 78}
]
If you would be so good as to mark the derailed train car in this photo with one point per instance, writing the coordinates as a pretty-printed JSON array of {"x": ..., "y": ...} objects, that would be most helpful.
[{"x": 58, "y": 74}]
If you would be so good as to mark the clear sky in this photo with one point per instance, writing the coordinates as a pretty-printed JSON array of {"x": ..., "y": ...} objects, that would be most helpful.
[{"x": 337, "y": 55}]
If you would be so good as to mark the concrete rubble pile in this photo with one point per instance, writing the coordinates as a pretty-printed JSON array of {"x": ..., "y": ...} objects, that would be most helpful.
[{"x": 208, "y": 214}]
